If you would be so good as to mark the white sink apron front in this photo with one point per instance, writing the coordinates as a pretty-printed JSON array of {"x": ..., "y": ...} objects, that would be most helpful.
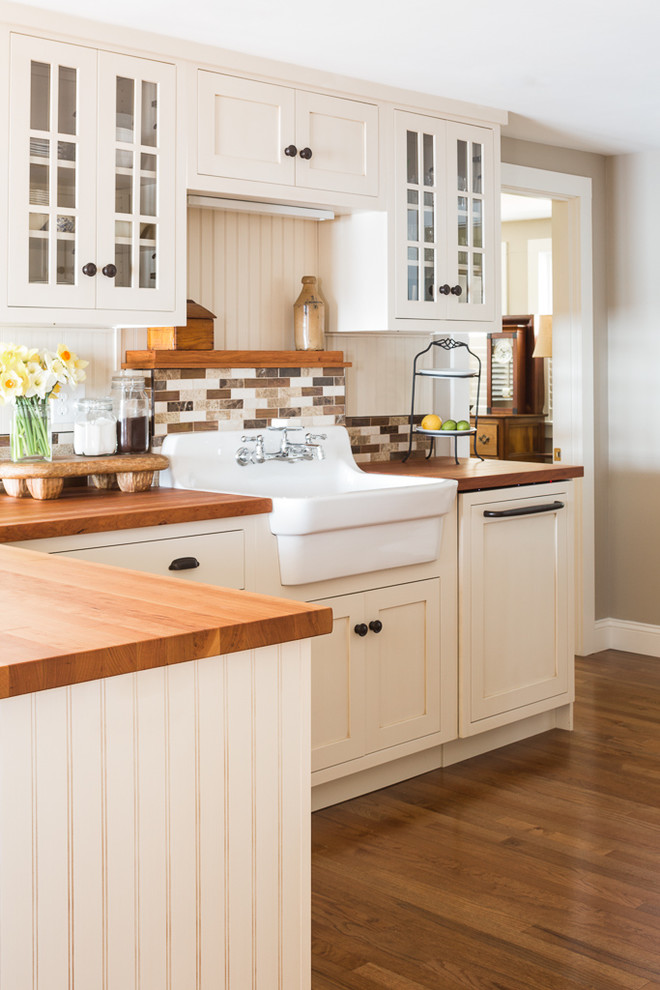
[{"x": 330, "y": 518}]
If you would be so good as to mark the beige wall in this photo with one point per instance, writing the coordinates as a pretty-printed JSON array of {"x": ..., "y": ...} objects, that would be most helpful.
[
  {"x": 516, "y": 234},
  {"x": 594, "y": 166},
  {"x": 634, "y": 395}
]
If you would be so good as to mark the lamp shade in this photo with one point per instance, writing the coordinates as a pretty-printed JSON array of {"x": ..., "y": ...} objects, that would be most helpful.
[{"x": 543, "y": 345}]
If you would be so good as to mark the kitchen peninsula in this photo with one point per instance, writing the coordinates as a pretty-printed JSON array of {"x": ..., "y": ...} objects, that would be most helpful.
[{"x": 154, "y": 775}]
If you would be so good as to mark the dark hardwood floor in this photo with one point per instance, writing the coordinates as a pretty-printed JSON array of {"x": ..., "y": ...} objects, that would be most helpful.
[{"x": 536, "y": 867}]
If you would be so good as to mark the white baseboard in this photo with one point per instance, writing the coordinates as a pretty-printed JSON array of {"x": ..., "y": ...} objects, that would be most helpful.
[{"x": 631, "y": 637}]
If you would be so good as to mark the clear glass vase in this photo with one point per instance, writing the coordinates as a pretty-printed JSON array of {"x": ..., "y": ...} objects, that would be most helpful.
[{"x": 31, "y": 436}]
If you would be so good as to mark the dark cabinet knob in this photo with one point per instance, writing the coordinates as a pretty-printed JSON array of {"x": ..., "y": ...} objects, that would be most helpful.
[
  {"x": 456, "y": 290},
  {"x": 444, "y": 290},
  {"x": 89, "y": 269},
  {"x": 291, "y": 151},
  {"x": 109, "y": 271},
  {"x": 361, "y": 629},
  {"x": 376, "y": 625},
  {"x": 306, "y": 153},
  {"x": 183, "y": 564}
]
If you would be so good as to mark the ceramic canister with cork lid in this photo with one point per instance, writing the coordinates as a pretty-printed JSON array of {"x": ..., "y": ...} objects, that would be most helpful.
[
  {"x": 309, "y": 317},
  {"x": 132, "y": 409}
]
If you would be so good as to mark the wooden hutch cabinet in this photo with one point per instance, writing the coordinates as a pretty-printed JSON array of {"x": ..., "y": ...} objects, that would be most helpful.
[{"x": 513, "y": 427}]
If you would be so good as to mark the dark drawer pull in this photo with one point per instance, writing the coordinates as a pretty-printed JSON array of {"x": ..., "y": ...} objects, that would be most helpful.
[
  {"x": 528, "y": 510},
  {"x": 361, "y": 629},
  {"x": 184, "y": 564}
]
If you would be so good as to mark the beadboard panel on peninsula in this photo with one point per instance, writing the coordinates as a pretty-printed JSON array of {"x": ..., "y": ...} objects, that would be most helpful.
[{"x": 157, "y": 827}]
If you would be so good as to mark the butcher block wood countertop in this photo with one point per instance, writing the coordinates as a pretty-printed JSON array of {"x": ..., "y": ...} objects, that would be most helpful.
[
  {"x": 475, "y": 475},
  {"x": 67, "y": 621},
  {"x": 90, "y": 510}
]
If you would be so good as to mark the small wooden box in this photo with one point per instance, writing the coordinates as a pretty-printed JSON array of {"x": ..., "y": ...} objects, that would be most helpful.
[{"x": 197, "y": 335}]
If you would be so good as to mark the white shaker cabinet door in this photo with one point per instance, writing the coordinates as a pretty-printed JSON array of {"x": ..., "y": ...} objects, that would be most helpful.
[
  {"x": 52, "y": 174},
  {"x": 337, "y": 142},
  {"x": 245, "y": 129},
  {"x": 403, "y": 697}
]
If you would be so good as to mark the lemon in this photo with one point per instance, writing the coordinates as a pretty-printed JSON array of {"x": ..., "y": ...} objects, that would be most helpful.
[
  {"x": 449, "y": 424},
  {"x": 431, "y": 422}
]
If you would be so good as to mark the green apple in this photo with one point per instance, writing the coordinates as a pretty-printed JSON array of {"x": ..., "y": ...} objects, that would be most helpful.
[
  {"x": 462, "y": 425},
  {"x": 449, "y": 424}
]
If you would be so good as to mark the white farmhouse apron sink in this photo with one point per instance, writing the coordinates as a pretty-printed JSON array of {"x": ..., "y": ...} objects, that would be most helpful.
[{"x": 330, "y": 518}]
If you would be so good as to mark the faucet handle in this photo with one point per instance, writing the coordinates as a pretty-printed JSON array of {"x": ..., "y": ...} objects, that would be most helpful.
[
  {"x": 258, "y": 456},
  {"x": 315, "y": 436}
]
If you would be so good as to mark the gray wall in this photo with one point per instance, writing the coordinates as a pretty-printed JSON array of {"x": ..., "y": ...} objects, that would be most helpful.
[
  {"x": 583, "y": 163},
  {"x": 633, "y": 282}
]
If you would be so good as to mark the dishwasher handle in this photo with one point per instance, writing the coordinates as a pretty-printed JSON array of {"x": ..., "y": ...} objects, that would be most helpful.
[{"x": 527, "y": 510}]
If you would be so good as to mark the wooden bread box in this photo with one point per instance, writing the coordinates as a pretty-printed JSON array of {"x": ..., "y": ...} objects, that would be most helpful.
[{"x": 197, "y": 335}]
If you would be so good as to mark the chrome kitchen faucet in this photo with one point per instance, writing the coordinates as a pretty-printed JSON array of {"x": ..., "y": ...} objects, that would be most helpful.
[{"x": 308, "y": 450}]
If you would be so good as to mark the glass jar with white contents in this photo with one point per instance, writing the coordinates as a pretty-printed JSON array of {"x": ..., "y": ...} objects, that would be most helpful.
[{"x": 95, "y": 427}]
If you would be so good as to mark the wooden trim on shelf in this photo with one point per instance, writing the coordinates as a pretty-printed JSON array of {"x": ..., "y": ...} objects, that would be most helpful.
[{"x": 148, "y": 360}]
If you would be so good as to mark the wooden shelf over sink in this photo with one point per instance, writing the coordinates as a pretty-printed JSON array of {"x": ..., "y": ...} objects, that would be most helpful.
[{"x": 147, "y": 360}]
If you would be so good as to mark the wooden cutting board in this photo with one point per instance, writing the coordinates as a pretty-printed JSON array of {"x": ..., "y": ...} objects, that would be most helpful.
[{"x": 45, "y": 479}]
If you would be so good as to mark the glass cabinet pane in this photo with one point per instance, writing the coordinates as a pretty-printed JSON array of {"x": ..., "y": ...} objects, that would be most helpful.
[
  {"x": 137, "y": 177},
  {"x": 125, "y": 112},
  {"x": 462, "y": 166},
  {"x": 53, "y": 174},
  {"x": 470, "y": 221},
  {"x": 421, "y": 217},
  {"x": 149, "y": 114},
  {"x": 429, "y": 159},
  {"x": 40, "y": 97},
  {"x": 413, "y": 166},
  {"x": 477, "y": 178},
  {"x": 413, "y": 274},
  {"x": 66, "y": 101},
  {"x": 39, "y": 184}
]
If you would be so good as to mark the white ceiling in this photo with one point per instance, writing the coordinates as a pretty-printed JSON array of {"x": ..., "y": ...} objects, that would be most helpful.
[
  {"x": 578, "y": 73},
  {"x": 525, "y": 207}
]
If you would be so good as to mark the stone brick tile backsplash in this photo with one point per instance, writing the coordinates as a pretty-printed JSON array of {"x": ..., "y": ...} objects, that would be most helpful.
[
  {"x": 383, "y": 438},
  {"x": 245, "y": 398}
]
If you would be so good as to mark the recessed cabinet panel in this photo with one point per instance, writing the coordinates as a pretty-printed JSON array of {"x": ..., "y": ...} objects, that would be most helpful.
[{"x": 243, "y": 128}]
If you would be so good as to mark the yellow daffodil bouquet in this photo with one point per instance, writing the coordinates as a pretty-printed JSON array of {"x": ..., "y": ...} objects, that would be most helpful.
[{"x": 28, "y": 379}]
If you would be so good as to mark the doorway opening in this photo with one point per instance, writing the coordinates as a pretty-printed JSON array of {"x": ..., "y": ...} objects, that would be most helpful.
[{"x": 515, "y": 408}]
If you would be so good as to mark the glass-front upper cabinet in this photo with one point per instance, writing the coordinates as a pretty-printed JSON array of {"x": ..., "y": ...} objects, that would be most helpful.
[
  {"x": 92, "y": 179},
  {"x": 445, "y": 251}
]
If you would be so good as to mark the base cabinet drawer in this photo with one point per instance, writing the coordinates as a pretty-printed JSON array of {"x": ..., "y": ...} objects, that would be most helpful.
[
  {"x": 210, "y": 558},
  {"x": 487, "y": 439}
]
